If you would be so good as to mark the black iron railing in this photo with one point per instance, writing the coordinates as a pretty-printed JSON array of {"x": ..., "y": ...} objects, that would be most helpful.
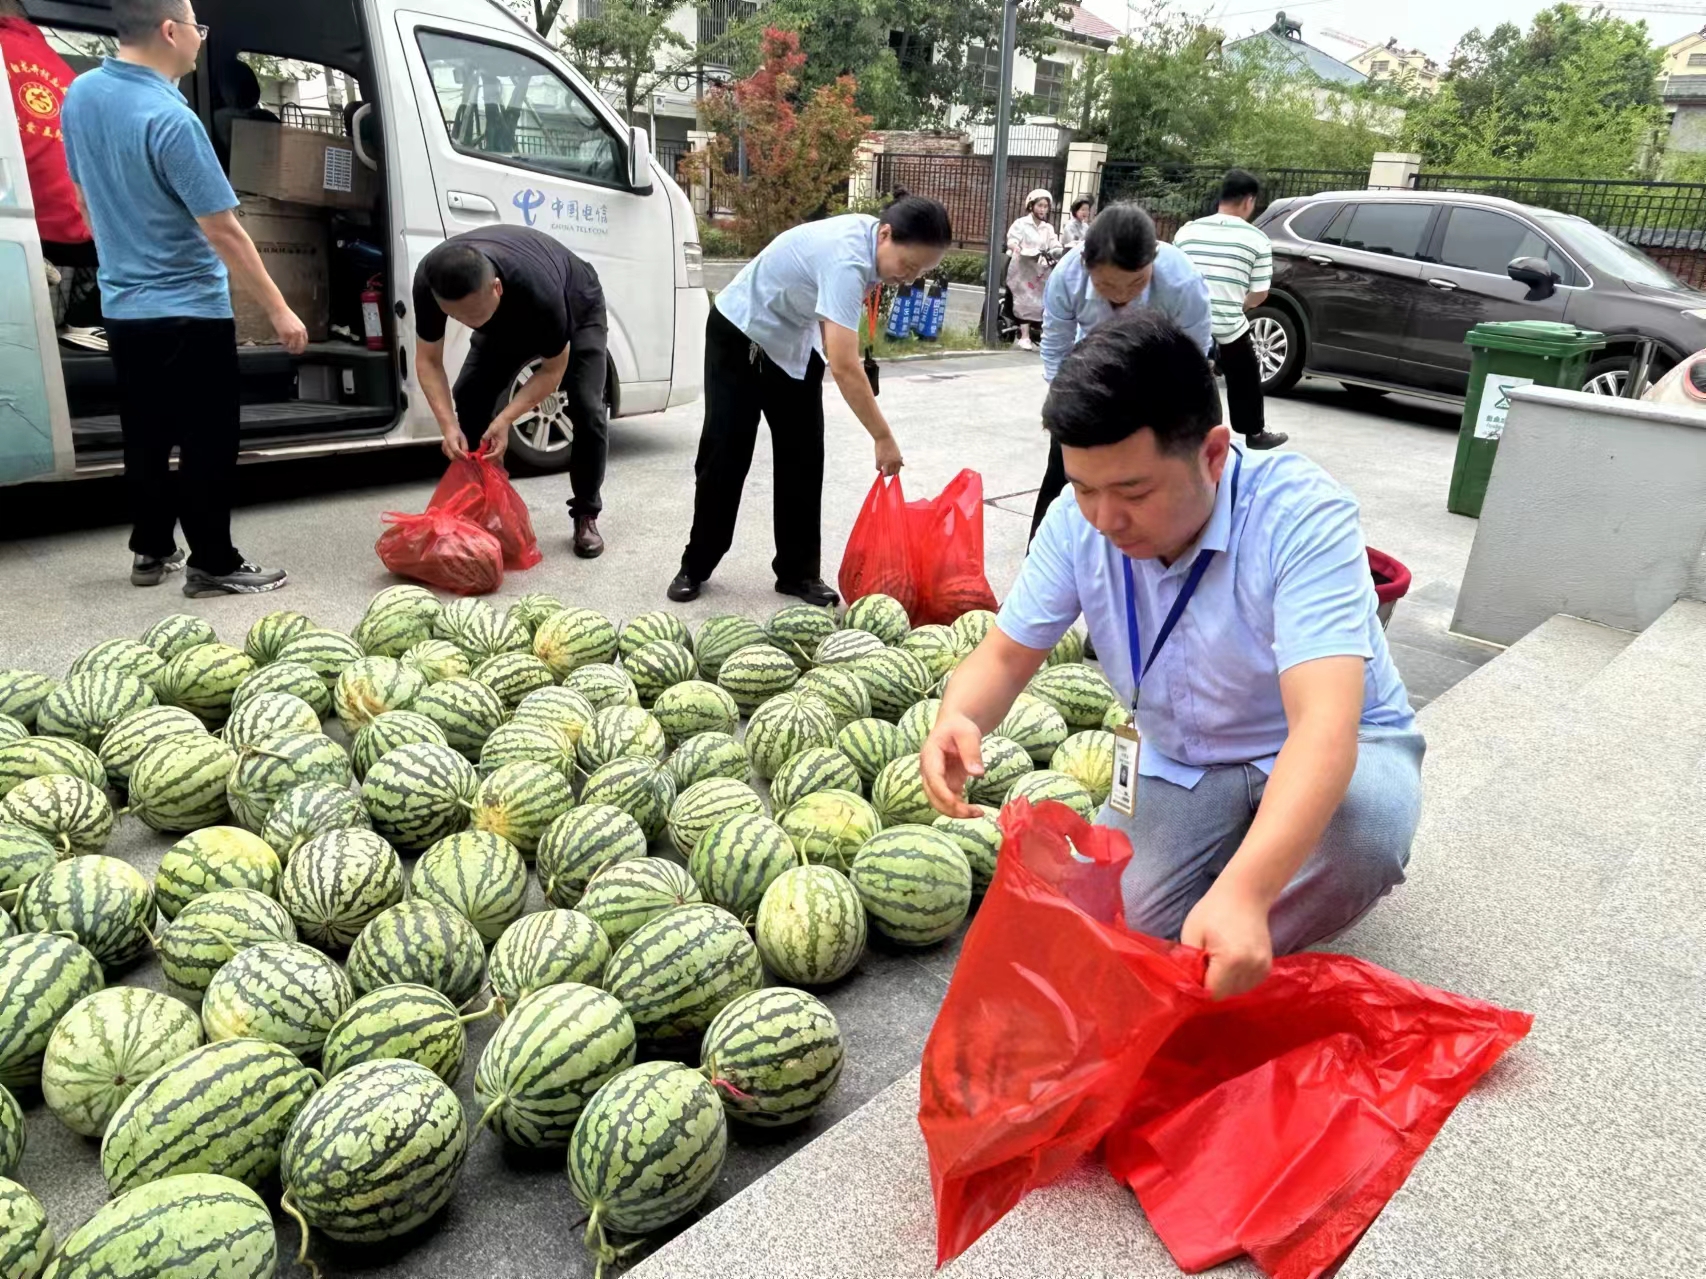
[
  {"x": 1175, "y": 193},
  {"x": 963, "y": 184}
]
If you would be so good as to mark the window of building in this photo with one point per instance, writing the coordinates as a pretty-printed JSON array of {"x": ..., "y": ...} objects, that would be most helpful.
[
  {"x": 591, "y": 9},
  {"x": 988, "y": 62},
  {"x": 717, "y": 16},
  {"x": 1380, "y": 66},
  {"x": 1052, "y": 81},
  {"x": 1697, "y": 59},
  {"x": 911, "y": 52}
]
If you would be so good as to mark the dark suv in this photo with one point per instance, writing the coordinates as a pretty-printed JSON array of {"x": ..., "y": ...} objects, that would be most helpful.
[{"x": 1378, "y": 288}]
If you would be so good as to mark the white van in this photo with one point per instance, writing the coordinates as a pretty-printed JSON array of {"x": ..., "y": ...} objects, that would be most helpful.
[{"x": 465, "y": 118}]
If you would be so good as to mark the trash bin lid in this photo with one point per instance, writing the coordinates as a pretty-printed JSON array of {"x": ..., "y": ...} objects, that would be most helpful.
[{"x": 1535, "y": 337}]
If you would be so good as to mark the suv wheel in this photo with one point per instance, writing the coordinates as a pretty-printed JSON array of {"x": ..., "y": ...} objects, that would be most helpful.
[
  {"x": 543, "y": 439},
  {"x": 1607, "y": 377},
  {"x": 1279, "y": 348}
]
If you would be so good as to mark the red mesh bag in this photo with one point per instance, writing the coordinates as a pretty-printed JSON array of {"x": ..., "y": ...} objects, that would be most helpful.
[
  {"x": 442, "y": 547},
  {"x": 500, "y": 510}
]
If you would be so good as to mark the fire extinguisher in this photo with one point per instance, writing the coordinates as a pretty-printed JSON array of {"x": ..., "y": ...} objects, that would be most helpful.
[{"x": 372, "y": 299}]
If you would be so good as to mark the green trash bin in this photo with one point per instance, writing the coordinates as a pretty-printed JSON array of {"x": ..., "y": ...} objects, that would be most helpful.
[{"x": 1508, "y": 354}]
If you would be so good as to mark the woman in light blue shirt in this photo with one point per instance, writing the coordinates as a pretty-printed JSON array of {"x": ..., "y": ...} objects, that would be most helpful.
[{"x": 792, "y": 312}]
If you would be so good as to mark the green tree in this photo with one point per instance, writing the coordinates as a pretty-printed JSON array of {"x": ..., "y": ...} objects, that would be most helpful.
[{"x": 628, "y": 48}]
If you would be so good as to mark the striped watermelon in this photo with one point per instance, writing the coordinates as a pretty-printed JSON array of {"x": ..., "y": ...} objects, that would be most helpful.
[
  {"x": 574, "y": 638},
  {"x": 210, "y": 930},
  {"x": 707, "y": 755},
  {"x": 105, "y": 1046},
  {"x": 271, "y": 633},
  {"x": 222, "y": 1108},
  {"x": 1118, "y": 716},
  {"x": 47, "y": 757},
  {"x": 918, "y": 720},
  {"x": 179, "y": 633},
  {"x": 211, "y": 859},
  {"x": 692, "y": 707},
  {"x": 386, "y": 733},
  {"x": 397, "y": 619},
  {"x": 705, "y": 803},
  {"x": 283, "y": 992},
  {"x": 554, "y": 1050},
  {"x": 657, "y": 666},
  {"x": 829, "y": 826},
  {"x": 22, "y": 693},
  {"x": 755, "y": 674},
  {"x": 309, "y": 810},
  {"x": 418, "y": 794},
  {"x": 813, "y": 769},
  {"x": 937, "y": 647},
  {"x": 8, "y": 929},
  {"x": 915, "y": 884},
  {"x": 294, "y": 678},
  {"x": 41, "y": 976},
  {"x": 179, "y": 784},
  {"x": 649, "y": 1146},
  {"x": 204, "y": 679},
  {"x": 603, "y": 686},
  {"x": 325, "y": 652},
  {"x": 537, "y": 743},
  {"x": 638, "y": 787},
  {"x": 437, "y": 660},
  {"x": 579, "y": 843},
  {"x": 74, "y": 816},
  {"x": 11, "y": 730},
  {"x": 106, "y": 904},
  {"x": 648, "y": 627},
  {"x": 894, "y": 678},
  {"x": 85, "y": 706},
  {"x": 899, "y": 796},
  {"x": 532, "y": 609},
  {"x": 1045, "y": 783},
  {"x": 478, "y": 875},
  {"x": 1069, "y": 649},
  {"x": 476, "y": 628},
  {"x": 842, "y": 691},
  {"x": 419, "y": 943},
  {"x": 516, "y": 802},
  {"x": 179, "y": 1228},
  {"x": 13, "y": 1135},
  {"x": 370, "y": 686},
  {"x": 880, "y": 615},
  {"x": 798, "y": 630},
  {"x": 399, "y": 1023},
  {"x": 24, "y": 854},
  {"x": 465, "y": 710},
  {"x": 336, "y": 883},
  {"x": 264, "y": 773},
  {"x": 1005, "y": 761},
  {"x": 625, "y": 895},
  {"x": 376, "y": 1153},
  {"x": 979, "y": 839},
  {"x": 26, "y": 1238},
  {"x": 1080, "y": 693},
  {"x": 559, "y": 708},
  {"x": 267, "y": 715},
  {"x": 811, "y": 926},
  {"x": 676, "y": 972},
  {"x": 122, "y": 657},
  {"x": 722, "y": 636},
  {"x": 1088, "y": 758},
  {"x": 1036, "y": 725},
  {"x": 970, "y": 628},
  {"x": 774, "y": 1056},
  {"x": 783, "y": 727},
  {"x": 547, "y": 948},
  {"x": 737, "y": 858},
  {"x": 620, "y": 732},
  {"x": 512, "y": 676}
]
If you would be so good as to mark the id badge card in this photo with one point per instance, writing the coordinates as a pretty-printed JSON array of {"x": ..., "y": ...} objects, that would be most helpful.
[{"x": 1122, "y": 798}]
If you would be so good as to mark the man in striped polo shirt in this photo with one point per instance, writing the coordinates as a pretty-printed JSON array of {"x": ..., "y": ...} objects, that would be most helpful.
[{"x": 1238, "y": 263}]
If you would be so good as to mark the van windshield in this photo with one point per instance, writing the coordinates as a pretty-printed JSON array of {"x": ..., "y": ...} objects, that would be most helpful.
[{"x": 1607, "y": 254}]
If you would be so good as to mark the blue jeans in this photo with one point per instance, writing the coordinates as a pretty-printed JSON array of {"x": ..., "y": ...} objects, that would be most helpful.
[{"x": 1182, "y": 838}]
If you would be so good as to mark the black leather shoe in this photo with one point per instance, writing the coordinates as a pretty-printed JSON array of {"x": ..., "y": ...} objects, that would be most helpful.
[
  {"x": 588, "y": 544},
  {"x": 1266, "y": 439},
  {"x": 684, "y": 588},
  {"x": 813, "y": 591}
]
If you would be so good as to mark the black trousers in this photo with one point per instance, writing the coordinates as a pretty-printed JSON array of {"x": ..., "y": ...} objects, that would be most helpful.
[
  {"x": 742, "y": 384},
  {"x": 1243, "y": 385},
  {"x": 1054, "y": 480},
  {"x": 178, "y": 387},
  {"x": 483, "y": 386},
  {"x": 83, "y": 295}
]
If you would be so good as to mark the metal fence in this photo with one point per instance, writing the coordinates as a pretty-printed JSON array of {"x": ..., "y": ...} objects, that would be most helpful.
[
  {"x": 670, "y": 152},
  {"x": 1175, "y": 193},
  {"x": 963, "y": 183},
  {"x": 1646, "y": 214},
  {"x": 319, "y": 119}
]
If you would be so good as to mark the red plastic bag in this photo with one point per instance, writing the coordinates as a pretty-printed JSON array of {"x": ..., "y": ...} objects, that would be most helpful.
[
  {"x": 1275, "y": 1124},
  {"x": 881, "y": 555},
  {"x": 948, "y": 532},
  {"x": 500, "y": 510},
  {"x": 442, "y": 547}
]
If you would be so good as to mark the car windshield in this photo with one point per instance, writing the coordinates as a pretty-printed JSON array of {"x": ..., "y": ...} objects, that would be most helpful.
[{"x": 1605, "y": 252}]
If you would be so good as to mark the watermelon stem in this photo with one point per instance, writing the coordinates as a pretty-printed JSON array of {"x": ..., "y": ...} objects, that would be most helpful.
[
  {"x": 493, "y": 1109},
  {"x": 290, "y": 1211},
  {"x": 319, "y": 1079},
  {"x": 726, "y": 1086},
  {"x": 495, "y": 1006}
]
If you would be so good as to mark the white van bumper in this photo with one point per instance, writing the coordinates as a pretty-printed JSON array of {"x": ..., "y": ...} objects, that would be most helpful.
[{"x": 692, "y": 309}]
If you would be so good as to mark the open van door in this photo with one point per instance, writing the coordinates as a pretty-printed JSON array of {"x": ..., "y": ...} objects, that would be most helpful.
[{"x": 35, "y": 434}]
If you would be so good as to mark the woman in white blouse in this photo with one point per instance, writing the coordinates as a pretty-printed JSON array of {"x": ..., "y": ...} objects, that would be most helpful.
[{"x": 1034, "y": 247}]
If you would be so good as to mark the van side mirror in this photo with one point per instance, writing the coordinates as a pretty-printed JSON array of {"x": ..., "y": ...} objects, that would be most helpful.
[
  {"x": 639, "y": 160},
  {"x": 1541, "y": 279}
]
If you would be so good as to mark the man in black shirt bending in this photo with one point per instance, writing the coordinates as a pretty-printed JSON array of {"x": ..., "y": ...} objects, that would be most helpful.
[{"x": 526, "y": 298}]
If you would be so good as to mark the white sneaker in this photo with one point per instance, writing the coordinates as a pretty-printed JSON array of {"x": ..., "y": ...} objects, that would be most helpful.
[
  {"x": 88, "y": 339},
  {"x": 1024, "y": 343}
]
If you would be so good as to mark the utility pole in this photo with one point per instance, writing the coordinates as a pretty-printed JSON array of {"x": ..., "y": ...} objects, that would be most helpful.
[{"x": 998, "y": 177}]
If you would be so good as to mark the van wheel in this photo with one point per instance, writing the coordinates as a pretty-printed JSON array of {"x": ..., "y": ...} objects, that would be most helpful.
[
  {"x": 542, "y": 440},
  {"x": 1279, "y": 348}
]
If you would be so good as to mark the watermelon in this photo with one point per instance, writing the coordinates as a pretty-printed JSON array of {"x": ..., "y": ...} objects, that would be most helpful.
[
  {"x": 376, "y": 1153},
  {"x": 267, "y": 715},
  {"x": 106, "y": 904},
  {"x": 705, "y": 803},
  {"x": 979, "y": 839},
  {"x": 547, "y": 948},
  {"x": 774, "y": 1056},
  {"x": 554, "y": 1050},
  {"x": 295, "y": 678},
  {"x": 1069, "y": 649},
  {"x": 755, "y": 674},
  {"x": 518, "y": 801},
  {"x": 1118, "y": 716},
  {"x": 1005, "y": 761},
  {"x": 620, "y": 732},
  {"x": 937, "y": 647},
  {"x": 899, "y": 796},
  {"x": 1036, "y": 725},
  {"x": 204, "y": 679},
  {"x": 265, "y": 772},
  {"x": 397, "y": 619},
  {"x": 386, "y": 733},
  {"x": 574, "y": 638},
  {"x": 1088, "y": 758},
  {"x": 814, "y": 769},
  {"x": 47, "y": 757},
  {"x": 336, "y": 883},
  {"x": 842, "y": 691},
  {"x": 915, "y": 724},
  {"x": 894, "y": 678},
  {"x": 603, "y": 686},
  {"x": 419, "y": 943},
  {"x": 465, "y": 710},
  {"x": 970, "y": 628},
  {"x": 691, "y": 707},
  {"x": 73, "y": 816},
  {"x": 85, "y": 706},
  {"x": 283, "y": 992},
  {"x": 798, "y": 630},
  {"x": 538, "y": 743},
  {"x": 370, "y": 686},
  {"x": 737, "y": 858},
  {"x": 676, "y": 972},
  {"x": 475, "y": 627},
  {"x": 638, "y": 787},
  {"x": 178, "y": 1228},
  {"x": 811, "y": 926},
  {"x": 105, "y": 1046},
  {"x": 41, "y": 976},
  {"x": 178, "y": 633},
  {"x": 648, "y": 1147},
  {"x": 211, "y": 859},
  {"x": 8, "y": 929},
  {"x": 881, "y": 615},
  {"x": 311, "y": 809},
  {"x": 560, "y": 708},
  {"x": 180, "y": 784},
  {"x": 22, "y": 693},
  {"x": 532, "y": 609},
  {"x": 26, "y": 1238},
  {"x": 325, "y": 652},
  {"x": 1080, "y": 693},
  {"x": 271, "y": 633},
  {"x": 649, "y": 627},
  {"x": 418, "y": 794},
  {"x": 122, "y": 657},
  {"x": 1046, "y": 784},
  {"x": 915, "y": 884},
  {"x": 437, "y": 660},
  {"x": 210, "y": 930},
  {"x": 722, "y": 636},
  {"x": 579, "y": 843},
  {"x": 706, "y": 755},
  {"x": 657, "y": 666},
  {"x": 399, "y": 1023},
  {"x": 478, "y": 875},
  {"x": 829, "y": 826},
  {"x": 13, "y": 1136},
  {"x": 512, "y": 676},
  {"x": 783, "y": 727},
  {"x": 624, "y": 895},
  {"x": 11, "y": 730}
]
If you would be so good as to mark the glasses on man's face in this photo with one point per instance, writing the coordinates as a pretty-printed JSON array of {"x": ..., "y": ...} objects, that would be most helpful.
[{"x": 201, "y": 28}]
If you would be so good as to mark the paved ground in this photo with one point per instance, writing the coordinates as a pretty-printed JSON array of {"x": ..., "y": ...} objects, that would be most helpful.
[{"x": 65, "y": 565}]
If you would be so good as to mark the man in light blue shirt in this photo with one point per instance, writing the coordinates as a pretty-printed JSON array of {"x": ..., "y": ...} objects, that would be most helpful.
[
  {"x": 1279, "y": 780},
  {"x": 1120, "y": 265}
]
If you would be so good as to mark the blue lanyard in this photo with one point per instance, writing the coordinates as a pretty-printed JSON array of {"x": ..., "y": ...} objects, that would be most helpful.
[{"x": 1192, "y": 580}]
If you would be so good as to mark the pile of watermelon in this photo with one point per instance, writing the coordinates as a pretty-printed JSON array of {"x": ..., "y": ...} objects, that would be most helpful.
[{"x": 638, "y": 847}]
